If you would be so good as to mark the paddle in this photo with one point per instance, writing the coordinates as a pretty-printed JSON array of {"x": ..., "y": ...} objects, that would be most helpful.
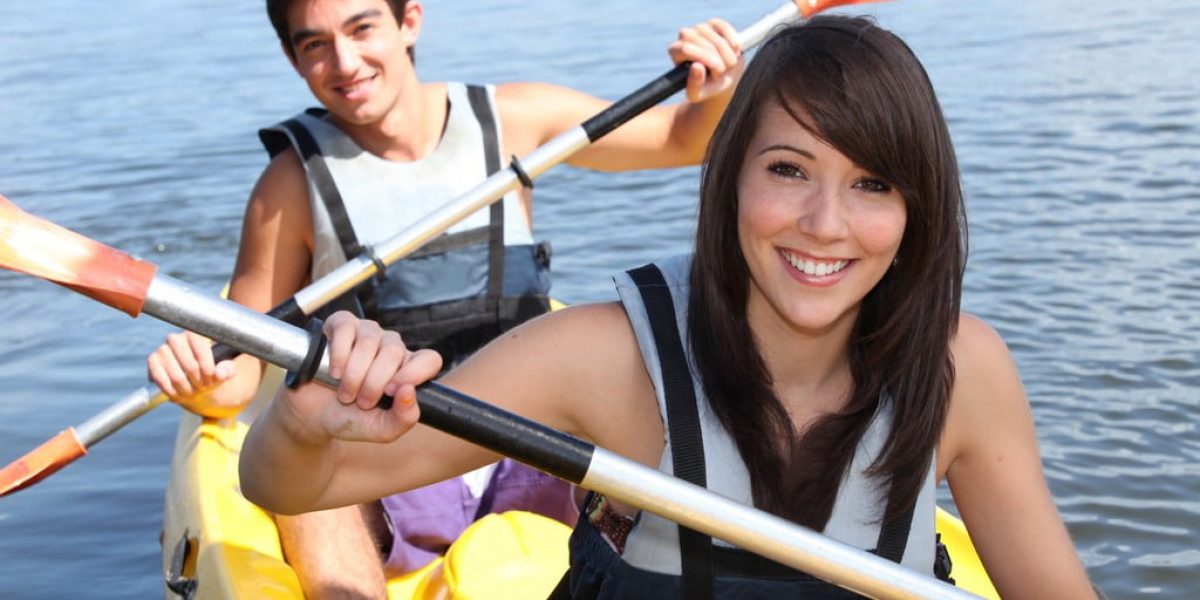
[
  {"x": 73, "y": 442},
  {"x": 42, "y": 249}
]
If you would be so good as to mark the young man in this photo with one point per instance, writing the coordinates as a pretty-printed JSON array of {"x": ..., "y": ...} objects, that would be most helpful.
[{"x": 386, "y": 149}]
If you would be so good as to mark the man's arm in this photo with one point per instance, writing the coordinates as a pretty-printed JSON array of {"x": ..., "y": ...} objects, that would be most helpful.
[
  {"x": 272, "y": 264},
  {"x": 277, "y": 240},
  {"x": 670, "y": 136}
]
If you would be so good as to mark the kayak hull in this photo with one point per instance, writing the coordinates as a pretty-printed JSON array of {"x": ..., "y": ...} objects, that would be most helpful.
[
  {"x": 215, "y": 542},
  {"x": 218, "y": 545}
]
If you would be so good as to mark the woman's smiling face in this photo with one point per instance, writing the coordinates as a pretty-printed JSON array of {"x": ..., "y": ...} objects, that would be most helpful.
[{"x": 816, "y": 230}]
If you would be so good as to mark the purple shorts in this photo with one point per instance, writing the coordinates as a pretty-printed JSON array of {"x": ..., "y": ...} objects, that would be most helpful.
[{"x": 425, "y": 521}]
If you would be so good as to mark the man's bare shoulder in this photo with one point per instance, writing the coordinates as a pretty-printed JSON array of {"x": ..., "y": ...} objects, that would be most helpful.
[
  {"x": 283, "y": 184},
  {"x": 279, "y": 211},
  {"x": 524, "y": 92},
  {"x": 532, "y": 113}
]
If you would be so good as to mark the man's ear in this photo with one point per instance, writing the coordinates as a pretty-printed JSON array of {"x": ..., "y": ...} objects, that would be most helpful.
[{"x": 410, "y": 24}]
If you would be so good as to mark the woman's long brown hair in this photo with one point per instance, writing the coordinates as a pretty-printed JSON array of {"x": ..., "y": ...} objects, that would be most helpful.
[{"x": 863, "y": 91}]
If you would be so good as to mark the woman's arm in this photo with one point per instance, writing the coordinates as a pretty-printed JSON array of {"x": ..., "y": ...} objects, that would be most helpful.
[
  {"x": 576, "y": 370},
  {"x": 989, "y": 454}
]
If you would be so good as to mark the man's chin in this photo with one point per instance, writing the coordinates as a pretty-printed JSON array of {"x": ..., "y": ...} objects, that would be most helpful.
[{"x": 354, "y": 117}]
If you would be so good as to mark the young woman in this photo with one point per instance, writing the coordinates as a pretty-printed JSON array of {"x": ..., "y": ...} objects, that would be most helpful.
[{"x": 833, "y": 379}]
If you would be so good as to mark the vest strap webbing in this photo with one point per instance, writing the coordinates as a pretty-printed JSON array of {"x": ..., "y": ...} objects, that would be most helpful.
[
  {"x": 332, "y": 199},
  {"x": 893, "y": 536},
  {"x": 683, "y": 422},
  {"x": 322, "y": 179},
  {"x": 477, "y": 95}
]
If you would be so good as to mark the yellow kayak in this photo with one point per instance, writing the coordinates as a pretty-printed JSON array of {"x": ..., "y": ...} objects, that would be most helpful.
[{"x": 216, "y": 544}]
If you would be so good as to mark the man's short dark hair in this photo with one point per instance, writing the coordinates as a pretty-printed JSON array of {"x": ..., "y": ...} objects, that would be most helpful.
[{"x": 277, "y": 11}]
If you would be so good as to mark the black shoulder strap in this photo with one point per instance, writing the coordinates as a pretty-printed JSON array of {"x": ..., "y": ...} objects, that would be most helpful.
[
  {"x": 893, "y": 536},
  {"x": 687, "y": 445},
  {"x": 318, "y": 171},
  {"x": 683, "y": 422},
  {"x": 482, "y": 108}
]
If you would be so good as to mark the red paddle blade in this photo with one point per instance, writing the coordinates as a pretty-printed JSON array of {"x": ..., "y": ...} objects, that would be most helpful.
[
  {"x": 809, "y": 8},
  {"x": 56, "y": 453},
  {"x": 37, "y": 247}
]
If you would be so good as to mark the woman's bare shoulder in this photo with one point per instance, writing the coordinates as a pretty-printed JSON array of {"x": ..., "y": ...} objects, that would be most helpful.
[
  {"x": 976, "y": 340},
  {"x": 987, "y": 396},
  {"x": 573, "y": 368}
]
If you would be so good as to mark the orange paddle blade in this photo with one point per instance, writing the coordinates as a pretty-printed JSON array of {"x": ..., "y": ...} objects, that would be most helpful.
[
  {"x": 58, "y": 452},
  {"x": 809, "y": 8},
  {"x": 37, "y": 247}
]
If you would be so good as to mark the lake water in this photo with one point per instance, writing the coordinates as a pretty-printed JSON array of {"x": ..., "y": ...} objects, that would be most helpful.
[{"x": 1077, "y": 124}]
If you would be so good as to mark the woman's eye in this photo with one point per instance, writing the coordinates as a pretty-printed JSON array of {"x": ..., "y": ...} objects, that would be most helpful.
[
  {"x": 874, "y": 185},
  {"x": 785, "y": 169}
]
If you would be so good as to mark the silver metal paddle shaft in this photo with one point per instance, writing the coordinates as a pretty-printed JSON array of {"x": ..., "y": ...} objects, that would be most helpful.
[
  {"x": 759, "y": 532},
  {"x": 230, "y": 323},
  {"x": 360, "y": 268},
  {"x": 119, "y": 414}
]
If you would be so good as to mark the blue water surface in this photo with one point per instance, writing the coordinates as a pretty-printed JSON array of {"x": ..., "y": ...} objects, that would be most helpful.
[{"x": 1077, "y": 125}]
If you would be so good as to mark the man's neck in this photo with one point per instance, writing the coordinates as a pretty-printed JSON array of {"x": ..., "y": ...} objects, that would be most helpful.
[{"x": 411, "y": 129}]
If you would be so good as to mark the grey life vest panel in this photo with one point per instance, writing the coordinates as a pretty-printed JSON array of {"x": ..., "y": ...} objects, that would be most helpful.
[
  {"x": 662, "y": 559},
  {"x": 480, "y": 278}
]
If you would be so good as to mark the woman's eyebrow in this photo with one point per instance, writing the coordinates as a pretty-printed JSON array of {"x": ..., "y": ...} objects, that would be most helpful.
[{"x": 788, "y": 148}]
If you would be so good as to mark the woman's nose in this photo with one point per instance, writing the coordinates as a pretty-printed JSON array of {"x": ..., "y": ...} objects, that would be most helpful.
[{"x": 822, "y": 216}]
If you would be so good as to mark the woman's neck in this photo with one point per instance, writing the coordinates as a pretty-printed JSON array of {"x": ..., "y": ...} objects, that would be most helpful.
[{"x": 809, "y": 369}]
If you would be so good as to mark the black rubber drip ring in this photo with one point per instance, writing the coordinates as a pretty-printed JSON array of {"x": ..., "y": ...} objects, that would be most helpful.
[
  {"x": 522, "y": 175},
  {"x": 312, "y": 360}
]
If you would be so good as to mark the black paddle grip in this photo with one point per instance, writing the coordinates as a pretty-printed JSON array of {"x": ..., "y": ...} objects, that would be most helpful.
[
  {"x": 543, "y": 448},
  {"x": 636, "y": 103}
]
